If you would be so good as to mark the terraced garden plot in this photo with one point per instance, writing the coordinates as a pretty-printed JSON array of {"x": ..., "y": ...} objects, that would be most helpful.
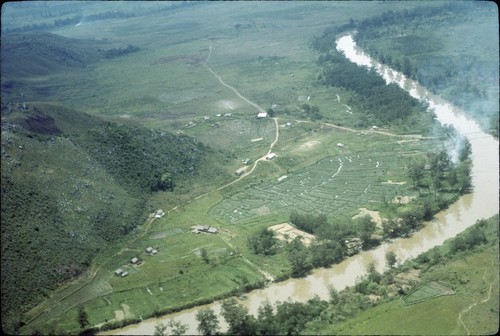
[
  {"x": 427, "y": 291},
  {"x": 335, "y": 186},
  {"x": 234, "y": 133}
]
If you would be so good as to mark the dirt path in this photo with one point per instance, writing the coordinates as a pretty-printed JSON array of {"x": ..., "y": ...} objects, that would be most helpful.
[
  {"x": 91, "y": 279},
  {"x": 97, "y": 268},
  {"x": 474, "y": 304},
  {"x": 260, "y": 109},
  {"x": 266, "y": 275}
]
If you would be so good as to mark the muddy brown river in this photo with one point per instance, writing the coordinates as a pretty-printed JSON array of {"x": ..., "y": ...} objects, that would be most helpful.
[{"x": 481, "y": 203}]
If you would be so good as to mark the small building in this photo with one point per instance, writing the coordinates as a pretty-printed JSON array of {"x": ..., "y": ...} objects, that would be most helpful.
[
  {"x": 149, "y": 249},
  {"x": 159, "y": 213},
  {"x": 246, "y": 161},
  {"x": 281, "y": 178},
  {"x": 154, "y": 252},
  {"x": 340, "y": 145},
  {"x": 270, "y": 156},
  {"x": 119, "y": 271},
  {"x": 124, "y": 274},
  {"x": 204, "y": 228},
  {"x": 240, "y": 171},
  {"x": 134, "y": 260},
  {"x": 262, "y": 115},
  {"x": 228, "y": 114},
  {"x": 206, "y": 118}
]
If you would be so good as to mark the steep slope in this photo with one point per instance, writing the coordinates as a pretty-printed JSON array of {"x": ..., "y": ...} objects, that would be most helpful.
[
  {"x": 72, "y": 185},
  {"x": 40, "y": 53}
]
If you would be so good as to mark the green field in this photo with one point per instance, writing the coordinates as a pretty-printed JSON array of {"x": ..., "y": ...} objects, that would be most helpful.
[
  {"x": 473, "y": 309},
  {"x": 351, "y": 178},
  {"x": 264, "y": 53},
  {"x": 427, "y": 291}
]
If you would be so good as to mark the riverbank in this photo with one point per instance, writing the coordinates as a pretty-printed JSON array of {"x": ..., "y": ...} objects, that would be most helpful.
[{"x": 482, "y": 203}]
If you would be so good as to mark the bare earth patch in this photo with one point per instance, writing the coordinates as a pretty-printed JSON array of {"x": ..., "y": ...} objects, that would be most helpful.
[
  {"x": 392, "y": 182},
  {"x": 288, "y": 233},
  {"x": 309, "y": 145},
  {"x": 402, "y": 199},
  {"x": 375, "y": 215},
  {"x": 227, "y": 104}
]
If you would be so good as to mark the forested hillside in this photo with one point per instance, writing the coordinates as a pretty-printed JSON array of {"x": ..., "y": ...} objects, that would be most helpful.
[
  {"x": 418, "y": 43},
  {"x": 71, "y": 185}
]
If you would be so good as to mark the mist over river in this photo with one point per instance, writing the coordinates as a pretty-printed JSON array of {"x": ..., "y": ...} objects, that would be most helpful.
[{"x": 481, "y": 203}]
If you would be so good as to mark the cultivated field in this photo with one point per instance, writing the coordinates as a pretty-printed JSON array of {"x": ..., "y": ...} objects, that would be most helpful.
[
  {"x": 337, "y": 185},
  {"x": 167, "y": 85},
  {"x": 427, "y": 291}
]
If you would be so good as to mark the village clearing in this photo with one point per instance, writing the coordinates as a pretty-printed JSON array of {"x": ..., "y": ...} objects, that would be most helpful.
[{"x": 287, "y": 232}]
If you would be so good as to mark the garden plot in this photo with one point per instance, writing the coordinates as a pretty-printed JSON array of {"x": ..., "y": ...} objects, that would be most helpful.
[
  {"x": 288, "y": 233},
  {"x": 427, "y": 291},
  {"x": 235, "y": 134},
  {"x": 335, "y": 186}
]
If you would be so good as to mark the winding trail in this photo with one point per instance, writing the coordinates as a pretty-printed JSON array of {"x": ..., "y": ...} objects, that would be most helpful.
[
  {"x": 475, "y": 303},
  {"x": 260, "y": 109},
  {"x": 96, "y": 269}
]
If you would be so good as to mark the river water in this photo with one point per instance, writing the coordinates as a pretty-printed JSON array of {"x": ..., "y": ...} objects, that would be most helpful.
[{"x": 482, "y": 203}]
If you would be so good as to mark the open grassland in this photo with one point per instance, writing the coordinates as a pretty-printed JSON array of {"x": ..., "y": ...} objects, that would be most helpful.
[
  {"x": 268, "y": 60},
  {"x": 427, "y": 291},
  {"x": 473, "y": 310}
]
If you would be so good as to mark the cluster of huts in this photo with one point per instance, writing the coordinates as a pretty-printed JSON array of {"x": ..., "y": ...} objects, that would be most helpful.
[{"x": 136, "y": 261}]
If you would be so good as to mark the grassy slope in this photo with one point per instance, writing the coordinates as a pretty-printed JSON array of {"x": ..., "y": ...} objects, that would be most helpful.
[
  {"x": 453, "y": 56},
  {"x": 473, "y": 275},
  {"x": 438, "y": 316}
]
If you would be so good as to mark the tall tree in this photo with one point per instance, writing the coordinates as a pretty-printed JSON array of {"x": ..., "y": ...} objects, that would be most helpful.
[
  {"x": 416, "y": 172},
  {"x": 266, "y": 324},
  {"x": 83, "y": 317},
  {"x": 208, "y": 324},
  {"x": 365, "y": 227},
  {"x": 160, "y": 329},
  {"x": 237, "y": 317},
  {"x": 390, "y": 258},
  {"x": 465, "y": 150},
  {"x": 176, "y": 327},
  {"x": 204, "y": 256},
  {"x": 299, "y": 258},
  {"x": 263, "y": 242}
]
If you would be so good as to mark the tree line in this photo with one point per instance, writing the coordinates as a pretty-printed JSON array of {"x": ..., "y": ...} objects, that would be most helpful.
[
  {"x": 316, "y": 315},
  {"x": 380, "y": 103}
]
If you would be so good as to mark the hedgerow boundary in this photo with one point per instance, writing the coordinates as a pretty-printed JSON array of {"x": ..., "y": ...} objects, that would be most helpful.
[{"x": 427, "y": 291}]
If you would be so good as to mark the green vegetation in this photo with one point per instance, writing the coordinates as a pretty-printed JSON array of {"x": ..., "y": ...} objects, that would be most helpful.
[
  {"x": 263, "y": 242},
  {"x": 71, "y": 192},
  {"x": 80, "y": 192},
  {"x": 144, "y": 159},
  {"x": 427, "y": 291},
  {"x": 380, "y": 103},
  {"x": 444, "y": 299},
  {"x": 207, "y": 322},
  {"x": 462, "y": 67}
]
